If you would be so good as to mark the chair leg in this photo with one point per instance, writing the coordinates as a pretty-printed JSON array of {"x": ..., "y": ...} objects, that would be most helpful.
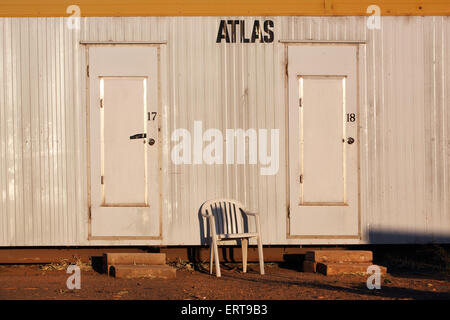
[
  {"x": 260, "y": 255},
  {"x": 211, "y": 258},
  {"x": 244, "y": 244},
  {"x": 216, "y": 256}
]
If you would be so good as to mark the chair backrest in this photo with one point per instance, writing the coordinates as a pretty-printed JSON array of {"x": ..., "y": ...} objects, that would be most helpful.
[{"x": 229, "y": 215}]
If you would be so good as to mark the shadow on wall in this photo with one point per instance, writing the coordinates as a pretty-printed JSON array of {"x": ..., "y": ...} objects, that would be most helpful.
[
  {"x": 384, "y": 236},
  {"x": 375, "y": 236},
  {"x": 204, "y": 228}
]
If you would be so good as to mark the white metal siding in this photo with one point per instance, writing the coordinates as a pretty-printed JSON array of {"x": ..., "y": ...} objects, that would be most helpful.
[
  {"x": 404, "y": 104},
  {"x": 406, "y": 156},
  {"x": 42, "y": 139}
]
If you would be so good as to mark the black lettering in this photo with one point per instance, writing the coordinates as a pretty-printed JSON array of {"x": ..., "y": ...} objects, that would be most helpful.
[
  {"x": 223, "y": 33},
  {"x": 268, "y": 24},
  {"x": 233, "y": 24},
  {"x": 264, "y": 31},
  {"x": 243, "y": 38},
  {"x": 256, "y": 33}
]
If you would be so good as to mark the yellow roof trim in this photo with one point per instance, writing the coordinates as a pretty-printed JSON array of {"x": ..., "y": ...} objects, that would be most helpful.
[{"x": 89, "y": 8}]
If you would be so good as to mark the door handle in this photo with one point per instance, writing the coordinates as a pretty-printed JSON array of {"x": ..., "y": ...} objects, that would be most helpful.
[
  {"x": 350, "y": 140},
  {"x": 151, "y": 141},
  {"x": 138, "y": 136}
]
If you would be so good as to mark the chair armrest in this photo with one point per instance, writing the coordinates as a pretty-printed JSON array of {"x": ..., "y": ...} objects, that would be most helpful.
[
  {"x": 256, "y": 215},
  {"x": 251, "y": 213}
]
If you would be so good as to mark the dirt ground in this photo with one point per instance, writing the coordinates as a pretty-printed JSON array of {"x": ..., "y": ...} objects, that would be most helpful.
[{"x": 280, "y": 283}]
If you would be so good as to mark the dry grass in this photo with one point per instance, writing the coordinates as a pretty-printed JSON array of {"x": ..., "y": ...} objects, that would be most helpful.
[{"x": 63, "y": 264}]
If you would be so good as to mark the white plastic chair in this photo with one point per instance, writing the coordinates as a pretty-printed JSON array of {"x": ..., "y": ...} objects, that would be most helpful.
[{"x": 227, "y": 222}]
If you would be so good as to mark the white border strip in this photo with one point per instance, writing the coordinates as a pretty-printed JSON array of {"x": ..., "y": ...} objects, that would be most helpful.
[
  {"x": 122, "y": 42},
  {"x": 322, "y": 41}
]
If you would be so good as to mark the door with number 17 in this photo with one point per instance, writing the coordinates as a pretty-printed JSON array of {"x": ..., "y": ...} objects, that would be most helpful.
[{"x": 124, "y": 162}]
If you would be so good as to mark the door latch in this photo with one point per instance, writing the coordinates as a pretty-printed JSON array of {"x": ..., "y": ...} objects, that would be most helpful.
[{"x": 138, "y": 136}]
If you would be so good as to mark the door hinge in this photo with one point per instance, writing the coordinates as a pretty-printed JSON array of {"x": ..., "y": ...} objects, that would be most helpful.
[
  {"x": 301, "y": 178},
  {"x": 102, "y": 180},
  {"x": 87, "y": 70},
  {"x": 300, "y": 102},
  {"x": 101, "y": 103}
]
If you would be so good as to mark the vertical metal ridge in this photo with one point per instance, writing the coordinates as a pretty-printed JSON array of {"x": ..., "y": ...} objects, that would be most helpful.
[{"x": 3, "y": 137}]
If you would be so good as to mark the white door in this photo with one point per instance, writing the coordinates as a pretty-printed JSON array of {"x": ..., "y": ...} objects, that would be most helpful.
[
  {"x": 123, "y": 125},
  {"x": 323, "y": 141}
]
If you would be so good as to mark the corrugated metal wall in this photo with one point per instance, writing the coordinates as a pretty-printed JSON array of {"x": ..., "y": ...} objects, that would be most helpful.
[
  {"x": 406, "y": 160},
  {"x": 42, "y": 170},
  {"x": 405, "y": 142}
]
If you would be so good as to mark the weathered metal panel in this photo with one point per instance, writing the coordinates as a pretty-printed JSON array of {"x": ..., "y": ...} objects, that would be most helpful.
[
  {"x": 43, "y": 138},
  {"x": 404, "y": 123},
  {"x": 406, "y": 151}
]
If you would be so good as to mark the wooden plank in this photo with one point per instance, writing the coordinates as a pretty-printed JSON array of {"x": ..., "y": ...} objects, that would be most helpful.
[
  {"x": 339, "y": 256},
  {"x": 119, "y": 258},
  {"x": 194, "y": 254},
  {"x": 144, "y": 271},
  {"x": 57, "y": 8},
  {"x": 329, "y": 269},
  {"x": 132, "y": 258},
  {"x": 234, "y": 254},
  {"x": 53, "y": 255}
]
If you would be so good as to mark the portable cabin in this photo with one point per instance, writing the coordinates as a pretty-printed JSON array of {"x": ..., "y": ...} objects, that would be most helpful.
[{"x": 118, "y": 119}]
